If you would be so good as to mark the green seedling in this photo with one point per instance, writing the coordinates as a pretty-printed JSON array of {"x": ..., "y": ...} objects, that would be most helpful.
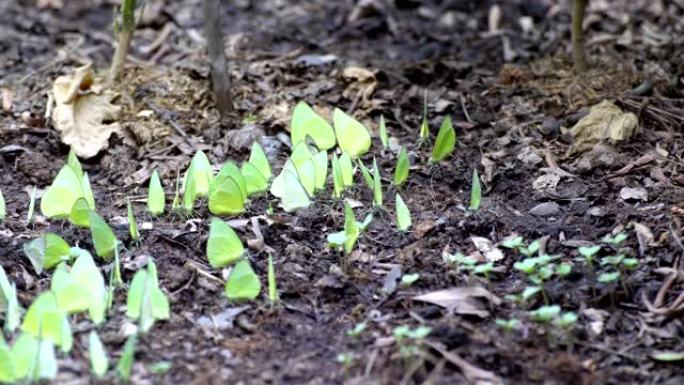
[
  {"x": 445, "y": 142},
  {"x": 223, "y": 246},
  {"x": 156, "y": 199},
  {"x": 197, "y": 180},
  {"x": 81, "y": 287},
  {"x": 384, "y": 138},
  {"x": 307, "y": 123},
  {"x": 357, "y": 330},
  {"x": 563, "y": 269},
  {"x": 508, "y": 325},
  {"x": 545, "y": 314},
  {"x": 424, "y": 125},
  {"x": 566, "y": 320},
  {"x": 589, "y": 253},
  {"x": 367, "y": 177},
  {"x": 609, "y": 277},
  {"x": 347, "y": 238},
  {"x": 47, "y": 251},
  {"x": 124, "y": 34},
  {"x": 410, "y": 340},
  {"x": 338, "y": 184},
  {"x": 146, "y": 302},
  {"x": 125, "y": 364},
  {"x": 243, "y": 284},
  {"x": 99, "y": 362},
  {"x": 46, "y": 320},
  {"x": 104, "y": 239},
  {"x": 9, "y": 303},
  {"x": 377, "y": 185},
  {"x": 514, "y": 243},
  {"x": 352, "y": 136},
  {"x": 3, "y": 208},
  {"x": 32, "y": 206},
  {"x": 132, "y": 224},
  {"x": 403, "y": 214},
  {"x": 409, "y": 279},
  {"x": 346, "y": 359},
  {"x": 272, "y": 287},
  {"x": 461, "y": 261},
  {"x": 614, "y": 241},
  {"x": 475, "y": 192},
  {"x": 288, "y": 187},
  {"x": 484, "y": 269},
  {"x": 160, "y": 367},
  {"x": 401, "y": 171}
]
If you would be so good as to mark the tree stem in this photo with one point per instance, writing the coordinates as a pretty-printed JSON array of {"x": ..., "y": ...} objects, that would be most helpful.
[
  {"x": 125, "y": 37},
  {"x": 578, "y": 10},
  {"x": 217, "y": 57}
]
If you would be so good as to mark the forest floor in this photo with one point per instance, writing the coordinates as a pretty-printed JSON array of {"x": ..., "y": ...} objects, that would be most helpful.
[{"x": 513, "y": 97}]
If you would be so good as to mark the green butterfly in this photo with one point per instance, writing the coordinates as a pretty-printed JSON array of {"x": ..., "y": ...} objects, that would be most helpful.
[
  {"x": 243, "y": 284},
  {"x": 306, "y": 122},
  {"x": 223, "y": 246},
  {"x": 352, "y": 136},
  {"x": 288, "y": 187}
]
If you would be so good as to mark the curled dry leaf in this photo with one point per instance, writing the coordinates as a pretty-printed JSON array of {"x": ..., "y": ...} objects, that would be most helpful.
[
  {"x": 461, "y": 300},
  {"x": 487, "y": 248},
  {"x": 605, "y": 122},
  {"x": 80, "y": 113},
  {"x": 363, "y": 82},
  {"x": 644, "y": 236}
]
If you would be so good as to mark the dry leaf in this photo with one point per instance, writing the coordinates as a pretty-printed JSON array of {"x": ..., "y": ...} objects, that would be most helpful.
[
  {"x": 487, "y": 248},
  {"x": 80, "y": 113},
  {"x": 461, "y": 300},
  {"x": 363, "y": 82},
  {"x": 644, "y": 236},
  {"x": 605, "y": 122}
]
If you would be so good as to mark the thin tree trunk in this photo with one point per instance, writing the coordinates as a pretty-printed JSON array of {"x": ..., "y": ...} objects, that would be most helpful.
[
  {"x": 579, "y": 57},
  {"x": 217, "y": 58},
  {"x": 125, "y": 37}
]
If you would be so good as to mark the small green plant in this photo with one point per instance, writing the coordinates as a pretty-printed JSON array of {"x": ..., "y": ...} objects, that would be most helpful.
[
  {"x": 384, "y": 138},
  {"x": 401, "y": 171},
  {"x": 243, "y": 284},
  {"x": 32, "y": 206},
  {"x": 410, "y": 340},
  {"x": 445, "y": 142},
  {"x": 616, "y": 240},
  {"x": 99, "y": 362},
  {"x": 338, "y": 183},
  {"x": 367, "y": 177},
  {"x": 125, "y": 364},
  {"x": 9, "y": 303},
  {"x": 508, "y": 325},
  {"x": 589, "y": 253},
  {"x": 146, "y": 302},
  {"x": 156, "y": 199},
  {"x": 475, "y": 192},
  {"x": 403, "y": 213},
  {"x": 272, "y": 288},
  {"x": 352, "y": 136},
  {"x": 346, "y": 239},
  {"x": 132, "y": 224},
  {"x": 307, "y": 123},
  {"x": 377, "y": 185},
  {"x": 357, "y": 330},
  {"x": 424, "y": 125}
]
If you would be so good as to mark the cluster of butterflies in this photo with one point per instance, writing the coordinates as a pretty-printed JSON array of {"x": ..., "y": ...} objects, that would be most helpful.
[{"x": 304, "y": 173}]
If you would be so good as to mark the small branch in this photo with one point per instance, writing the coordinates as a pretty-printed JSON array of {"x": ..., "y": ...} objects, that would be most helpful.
[{"x": 125, "y": 37}]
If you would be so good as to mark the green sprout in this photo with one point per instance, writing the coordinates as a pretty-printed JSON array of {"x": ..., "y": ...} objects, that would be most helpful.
[
  {"x": 508, "y": 325},
  {"x": 589, "y": 252},
  {"x": 616, "y": 240},
  {"x": 409, "y": 279},
  {"x": 475, "y": 192},
  {"x": 357, "y": 330},
  {"x": 410, "y": 340}
]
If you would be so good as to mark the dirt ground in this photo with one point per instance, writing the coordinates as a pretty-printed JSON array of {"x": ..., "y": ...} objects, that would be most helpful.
[{"x": 512, "y": 95}]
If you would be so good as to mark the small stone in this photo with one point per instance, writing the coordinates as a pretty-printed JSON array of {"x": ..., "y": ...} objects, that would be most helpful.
[
  {"x": 550, "y": 126},
  {"x": 634, "y": 193},
  {"x": 546, "y": 209}
]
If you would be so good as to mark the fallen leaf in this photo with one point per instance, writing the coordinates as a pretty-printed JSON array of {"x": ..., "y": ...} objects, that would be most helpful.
[
  {"x": 461, "y": 300},
  {"x": 472, "y": 373},
  {"x": 644, "y": 236},
  {"x": 80, "y": 113},
  {"x": 605, "y": 122},
  {"x": 487, "y": 248},
  {"x": 634, "y": 193}
]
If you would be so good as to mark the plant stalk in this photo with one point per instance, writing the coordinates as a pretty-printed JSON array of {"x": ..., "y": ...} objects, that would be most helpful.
[
  {"x": 578, "y": 10},
  {"x": 124, "y": 39}
]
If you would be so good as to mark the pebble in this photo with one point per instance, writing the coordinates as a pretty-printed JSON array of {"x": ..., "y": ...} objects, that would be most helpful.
[{"x": 545, "y": 209}]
